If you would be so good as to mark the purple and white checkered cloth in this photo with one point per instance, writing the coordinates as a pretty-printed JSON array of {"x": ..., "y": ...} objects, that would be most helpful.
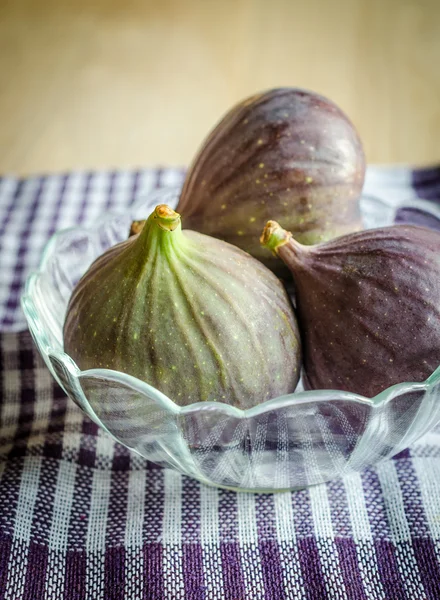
[{"x": 82, "y": 518}]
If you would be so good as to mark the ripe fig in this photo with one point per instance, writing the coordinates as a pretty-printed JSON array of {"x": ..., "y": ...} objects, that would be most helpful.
[
  {"x": 367, "y": 306},
  {"x": 286, "y": 154},
  {"x": 189, "y": 314}
]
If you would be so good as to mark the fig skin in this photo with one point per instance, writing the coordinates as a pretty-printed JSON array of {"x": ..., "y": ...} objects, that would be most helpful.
[
  {"x": 287, "y": 154},
  {"x": 367, "y": 305},
  {"x": 193, "y": 316}
]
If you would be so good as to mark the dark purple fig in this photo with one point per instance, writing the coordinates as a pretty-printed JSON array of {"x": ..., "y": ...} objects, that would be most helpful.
[
  {"x": 367, "y": 304},
  {"x": 286, "y": 154},
  {"x": 189, "y": 314}
]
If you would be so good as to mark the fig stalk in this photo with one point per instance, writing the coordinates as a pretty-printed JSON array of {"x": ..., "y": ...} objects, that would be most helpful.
[{"x": 274, "y": 236}]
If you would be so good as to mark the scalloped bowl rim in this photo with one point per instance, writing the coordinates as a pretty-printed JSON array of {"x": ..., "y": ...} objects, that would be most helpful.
[{"x": 304, "y": 397}]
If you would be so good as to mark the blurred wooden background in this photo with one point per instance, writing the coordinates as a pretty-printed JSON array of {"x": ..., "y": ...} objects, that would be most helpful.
[{"x": 106, "y": 83}]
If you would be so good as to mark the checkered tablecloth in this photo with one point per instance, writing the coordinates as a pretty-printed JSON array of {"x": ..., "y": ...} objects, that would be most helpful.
[{"x": 82, "y": 518}]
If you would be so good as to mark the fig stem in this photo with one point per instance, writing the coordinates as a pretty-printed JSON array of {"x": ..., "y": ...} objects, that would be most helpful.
[
  {"x": 162, "y": 231},
  {"x": 166, "y": 218},
  {"x": 274, "y": 236},
  {"x": 136, "y": 227}
]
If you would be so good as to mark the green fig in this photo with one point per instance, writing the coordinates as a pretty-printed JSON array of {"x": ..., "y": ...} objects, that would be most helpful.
[
  {"x": 286, "y": 154},
  {"x": 367, "y": 304},
  {"x": 191, "y": 315}
]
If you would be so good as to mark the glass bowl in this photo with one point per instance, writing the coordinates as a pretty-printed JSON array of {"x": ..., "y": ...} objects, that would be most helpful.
[{"x": 289, "y": 442}]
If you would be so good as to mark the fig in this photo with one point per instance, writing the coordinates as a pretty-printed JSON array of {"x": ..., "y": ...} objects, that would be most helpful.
[
  {"x": 191, "y": 315},
  {"x": 286, "y": 154},
  {"x": 367, "y": 306}
]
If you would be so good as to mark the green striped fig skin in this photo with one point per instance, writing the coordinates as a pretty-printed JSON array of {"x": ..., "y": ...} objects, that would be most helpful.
[
  {"x": 368, "y": 306},
  {"x": 193, "y": 316},
  {"x": 286, "y": 154}
]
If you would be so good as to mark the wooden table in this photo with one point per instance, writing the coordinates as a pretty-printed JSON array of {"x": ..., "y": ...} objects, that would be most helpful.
[{"x": 89, "y": 84}]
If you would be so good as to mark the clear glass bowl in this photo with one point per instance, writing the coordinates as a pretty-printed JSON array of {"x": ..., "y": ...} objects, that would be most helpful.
[{"x": 289, "y": 442}]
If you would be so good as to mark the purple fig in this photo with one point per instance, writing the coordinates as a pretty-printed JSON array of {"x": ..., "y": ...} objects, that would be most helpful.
[
  {"x": 189, "y": 314},
  {"x": 367, "y": 306},
  {"x": 287, "y": 154}
]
